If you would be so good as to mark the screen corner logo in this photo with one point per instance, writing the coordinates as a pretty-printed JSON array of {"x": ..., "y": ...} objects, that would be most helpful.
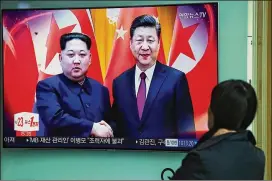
[
  {"x": 26, "y": 121},
  {"x": 194, "y": 15}
]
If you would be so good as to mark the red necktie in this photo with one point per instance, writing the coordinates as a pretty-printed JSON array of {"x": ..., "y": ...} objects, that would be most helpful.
[{"x": 141, "y": 96}]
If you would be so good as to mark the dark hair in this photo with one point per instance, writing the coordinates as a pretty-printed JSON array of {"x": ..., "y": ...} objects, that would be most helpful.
[
  {"x": 233, "y": 105},
  {"x": 145, "y": 21},
  {"x": 70, "y": 36}
]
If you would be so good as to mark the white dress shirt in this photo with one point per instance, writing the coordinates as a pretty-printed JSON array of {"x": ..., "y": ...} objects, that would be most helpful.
[{"x": 149, "y": 74}]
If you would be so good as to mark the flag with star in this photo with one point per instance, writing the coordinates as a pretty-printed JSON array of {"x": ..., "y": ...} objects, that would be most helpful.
[
  {"x": 20, "y": 72},
  {"x": 31, "y": 52},
  {"x": 31, "y": 49},
  {"x": 80, "y": 21},
  {"x": 122, "y": 58},
  {"x": 193, "y": 51}
]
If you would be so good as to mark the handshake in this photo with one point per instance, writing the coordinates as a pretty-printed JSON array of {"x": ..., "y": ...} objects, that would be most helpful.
[{"x": 102, "y": 129}]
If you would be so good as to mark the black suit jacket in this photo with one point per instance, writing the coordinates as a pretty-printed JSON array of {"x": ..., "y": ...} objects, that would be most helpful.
[
  {"x": 68, "y": 109},
  {"x": 232, "y": 156}
]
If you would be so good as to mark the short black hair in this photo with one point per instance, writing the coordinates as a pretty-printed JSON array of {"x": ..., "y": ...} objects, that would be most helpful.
[
  {"x": 233, "y": 105},
  {"x": 145, "y": 21},
  {"x": 74, "y": 35}
]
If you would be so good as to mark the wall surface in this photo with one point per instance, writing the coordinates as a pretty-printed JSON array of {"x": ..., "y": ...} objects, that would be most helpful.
[{"x": 115, "y": 165}]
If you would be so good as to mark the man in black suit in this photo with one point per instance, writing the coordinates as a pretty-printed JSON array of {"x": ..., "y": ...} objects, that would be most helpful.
[{"x": 71, "y": 104}]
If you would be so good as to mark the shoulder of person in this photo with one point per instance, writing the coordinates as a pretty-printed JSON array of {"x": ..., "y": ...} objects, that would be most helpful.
[
  {"x": 193, "y": 155},
  {"x": 97, "y": 84},
  {"x": 94, "y": 82},
  {"x": 192, "y": 167},
  {"x": 224, "y": 144},
  {"x": 124, "y": 74},
  {"x": 50, "y": 80},
  {"x": 173, "y": 71},
  {"x": 260, "y": 156}
]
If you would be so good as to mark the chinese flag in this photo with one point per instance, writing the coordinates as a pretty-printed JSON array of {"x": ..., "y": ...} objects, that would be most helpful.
[
  {"x": 202, "y": 76},
  {"x": 20, "y": 72},
  {"x": 122, "y": 58}
]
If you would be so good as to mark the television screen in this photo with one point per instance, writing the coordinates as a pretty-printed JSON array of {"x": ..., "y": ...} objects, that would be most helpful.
[{"x": 133, "y": 78}]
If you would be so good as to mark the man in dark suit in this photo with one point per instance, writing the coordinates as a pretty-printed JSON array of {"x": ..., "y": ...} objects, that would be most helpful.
[
  {"x": 71, "y": 104},
  {"x": 151, "y": 100}
]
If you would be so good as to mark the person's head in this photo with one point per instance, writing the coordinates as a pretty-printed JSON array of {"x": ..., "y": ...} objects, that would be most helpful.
[
  {"x": 145, "y": 34},
  {"x": 75, "y": 57},
  {"x": 233, "y": 105}
]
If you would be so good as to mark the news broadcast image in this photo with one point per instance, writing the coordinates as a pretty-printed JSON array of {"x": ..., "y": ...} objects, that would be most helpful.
[{"x": 188, "y": 45}]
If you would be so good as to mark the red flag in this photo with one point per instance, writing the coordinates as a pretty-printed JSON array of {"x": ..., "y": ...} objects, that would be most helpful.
[
  {"x": 55, "y": 32},
  {"x": 36, "y": 37},
  {"x": 201, "y": 70},
  {"x": 122, "y": 58},
  {"x": 20, "y": 72},
  {"x": 86, "y": 28}
]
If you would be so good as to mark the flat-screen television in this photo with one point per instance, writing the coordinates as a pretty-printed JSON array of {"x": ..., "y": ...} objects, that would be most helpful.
[{"x": 132, "y": 78}]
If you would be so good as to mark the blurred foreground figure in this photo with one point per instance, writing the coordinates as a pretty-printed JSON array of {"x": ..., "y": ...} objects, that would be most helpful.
[{"x": 227, "y": 151}]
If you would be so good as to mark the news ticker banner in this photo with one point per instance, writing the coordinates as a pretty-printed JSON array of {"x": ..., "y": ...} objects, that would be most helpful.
[
  {"x": 98, "y": 142},
  {"x": 26, "y": 125}
]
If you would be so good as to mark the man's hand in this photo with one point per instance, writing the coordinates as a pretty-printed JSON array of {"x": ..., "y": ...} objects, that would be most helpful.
[
  {"x": 105, "y": 124},
  {"x": 100, "y": 130}
]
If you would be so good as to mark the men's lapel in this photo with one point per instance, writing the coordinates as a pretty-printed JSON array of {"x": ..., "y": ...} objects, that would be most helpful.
[
  {"x": 158, "y": 78},
  {"x": 73, "y": 86},
  {"x": 133, "y": 99}
]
